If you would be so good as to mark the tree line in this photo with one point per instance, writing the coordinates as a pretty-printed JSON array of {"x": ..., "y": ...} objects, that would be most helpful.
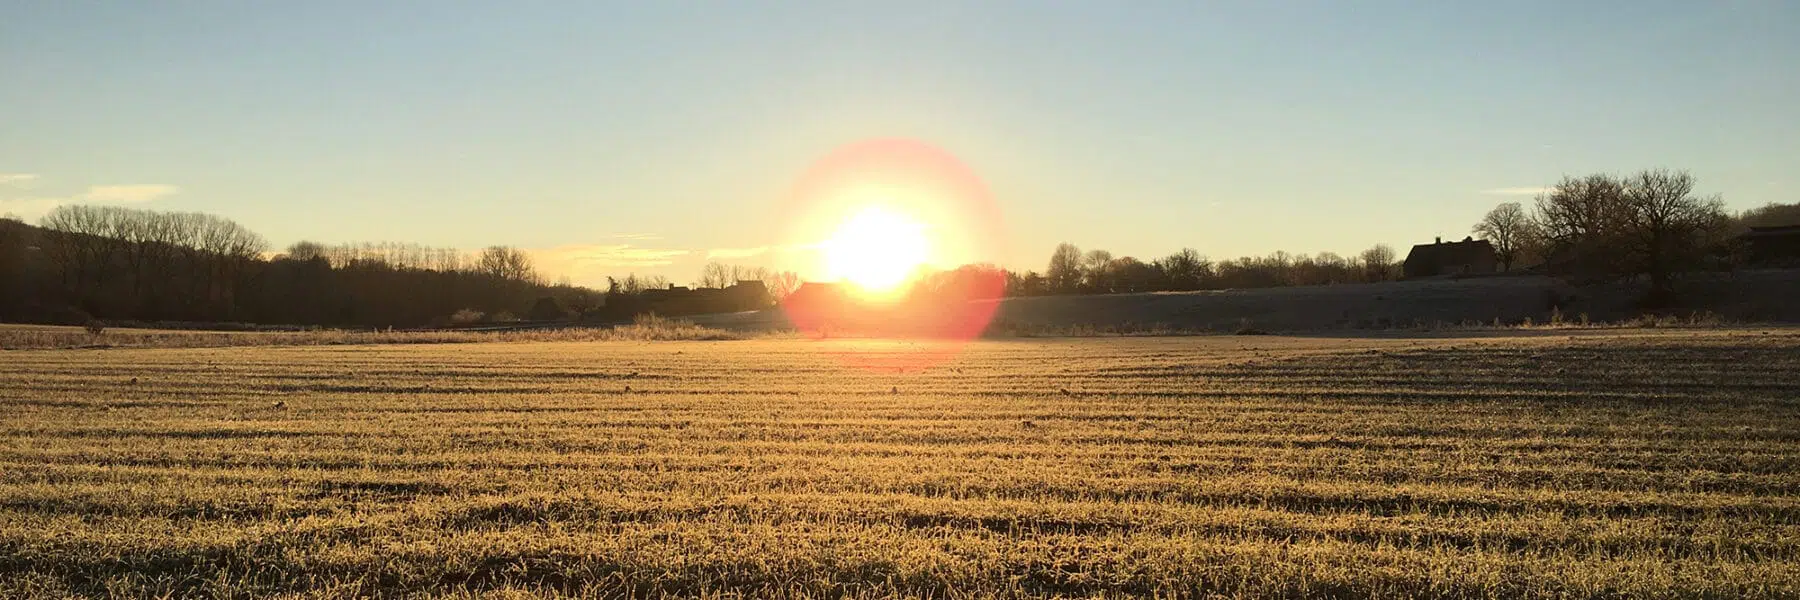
[
  {"x": 132, "y": 264},
  {"x": 1072, "y": 271},
  {"x": 1650, "y": 225},
  {"x": 118, "y": 263},
  {"x": 84, "y": 262}
]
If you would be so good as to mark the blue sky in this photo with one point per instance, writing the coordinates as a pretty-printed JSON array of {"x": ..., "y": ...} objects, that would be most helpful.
[{"x": 640, "y": 136}]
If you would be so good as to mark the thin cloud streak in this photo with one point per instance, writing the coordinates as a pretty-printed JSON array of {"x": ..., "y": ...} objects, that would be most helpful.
[
  {"x": 32, "y": 208},
  {"x": 29, "y": 209},
  {"x": 17, "y": 179},
  {"x": 610, "y": 255},
  {"x": 590, "y": 264},
  {"x": 1516, "y": 191},
  {"x": 131, "y": 193},
  {"x": 737, "y": 252}
]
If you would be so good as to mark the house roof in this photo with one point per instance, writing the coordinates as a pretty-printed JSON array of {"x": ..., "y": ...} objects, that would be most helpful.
[
  {"x": 1451, "y": 253},
  {"x": 1778, "y": 230}
]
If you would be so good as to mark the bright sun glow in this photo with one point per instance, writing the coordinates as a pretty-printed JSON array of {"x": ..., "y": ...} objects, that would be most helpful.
[{"x": 876, "y": 250}]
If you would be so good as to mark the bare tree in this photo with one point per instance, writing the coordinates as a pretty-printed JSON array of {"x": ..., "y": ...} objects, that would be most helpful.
[
  {"x": 1647, "y": 224},
  {"x": 1128, "y": 274},
  {"x": 1096, "y": 272},
  {"x": 1064, "y": 273},
  {"x": 306, "y": 251},
  {"x": 1186, "y": 269},
  {"x": 1510, "y": 230},
  {"x": 1667, "y": 227},
  {"x": 79, "y": 247},
  {"x": 741, "y": 273},
  {"x": 1581, "y": 220},
  {"x": 1771, "y": 215},
  {"x": 781, "y": 284},
  {"x": 507, "y": 263},
  {"x": 1378, "y": 263},
  {"x": 718, "y": 275},
  {"x": 715, "y": 275}
]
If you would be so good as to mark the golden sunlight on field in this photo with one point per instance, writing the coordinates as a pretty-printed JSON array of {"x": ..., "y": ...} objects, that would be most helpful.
[{"x": 1532, "y": 466}]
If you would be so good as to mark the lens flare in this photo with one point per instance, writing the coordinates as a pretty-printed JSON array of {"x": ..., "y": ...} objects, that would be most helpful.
[{"x": 895, "y": 239}]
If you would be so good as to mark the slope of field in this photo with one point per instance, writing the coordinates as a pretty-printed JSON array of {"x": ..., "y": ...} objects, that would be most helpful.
[
  {"x": 1302, "y": 308},
  {"x": 1746, "y": 296},
  {"x": 1648, "y": 464}
]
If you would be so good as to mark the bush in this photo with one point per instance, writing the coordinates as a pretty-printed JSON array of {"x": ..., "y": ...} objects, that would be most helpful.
[
  {"x": 467, "y": 316},
  {"x": 95, "y": 327},
  {"x": 548, "y": 309}
]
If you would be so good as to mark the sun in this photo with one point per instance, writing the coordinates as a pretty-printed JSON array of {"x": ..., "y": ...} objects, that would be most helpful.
[{"x": 876, "y": 250}]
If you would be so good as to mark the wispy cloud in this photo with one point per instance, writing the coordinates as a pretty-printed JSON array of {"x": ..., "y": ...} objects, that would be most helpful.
[
  {"x": 17, "y": 179},
  {"x": 1516, "y": 191},
  {"x": 129, "y": 194},
  {"x": 637, "y": 236},
  {"x": 31, "y": 208},
  {"x": 589, "y": 264},
  {"x": 737, "y": 252},
  {"x": 609, "y": 255}
]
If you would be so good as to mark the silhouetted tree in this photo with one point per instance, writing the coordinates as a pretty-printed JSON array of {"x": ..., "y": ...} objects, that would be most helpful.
[
  {"x": 131, "y": 264},
  {"x": 743, "y": 273},
  {"x": 1509, "y": 229},
  {"x": 1095, "y": 276},
  {"x": 1582, "y": 220},
  {"x": 1064, "y": 273},
  {"x": 1378, "y": 263},
  {"x": 1186, "y": 269},
  {"x": 1771, "y": 215},
  {"x": 715, "y": 275},
  {"x": 1647, "y": 224},
  {"x": 1667, "y": 227},
  {"x": 306, "y": 251},
  {"x": 1029, "y": 283},
  {"x": 781, "y": 283},
  {"x": 1127, "y": 274},
  {"x": 633, "y": 284},
  {"x": 504, "y": 262}
]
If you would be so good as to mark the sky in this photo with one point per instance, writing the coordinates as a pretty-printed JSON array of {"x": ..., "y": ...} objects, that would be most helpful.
[{"x": 615, "y": 137}]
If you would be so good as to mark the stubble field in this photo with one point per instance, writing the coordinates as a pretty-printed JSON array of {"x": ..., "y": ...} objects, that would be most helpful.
[{"x": 1585, "y": 465}]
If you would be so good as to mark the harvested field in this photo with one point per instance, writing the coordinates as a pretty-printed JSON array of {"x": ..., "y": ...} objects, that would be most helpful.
[{"x": 1627, "y": 464}]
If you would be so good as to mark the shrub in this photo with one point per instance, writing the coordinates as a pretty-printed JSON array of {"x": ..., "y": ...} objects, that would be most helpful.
[
  {"x": 467, "y": 316},
  {"x": 548, "y": 309},
  {"x": 651, "y": 327}
]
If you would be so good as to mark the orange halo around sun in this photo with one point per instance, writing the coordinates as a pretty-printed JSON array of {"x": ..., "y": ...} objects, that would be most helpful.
[{"x": 870, "y": 218}]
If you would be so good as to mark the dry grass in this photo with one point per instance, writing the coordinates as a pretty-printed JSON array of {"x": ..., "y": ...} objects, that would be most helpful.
[
  {"x": 1639, "y": 464},
  {"x": 645, "y": 329}
]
